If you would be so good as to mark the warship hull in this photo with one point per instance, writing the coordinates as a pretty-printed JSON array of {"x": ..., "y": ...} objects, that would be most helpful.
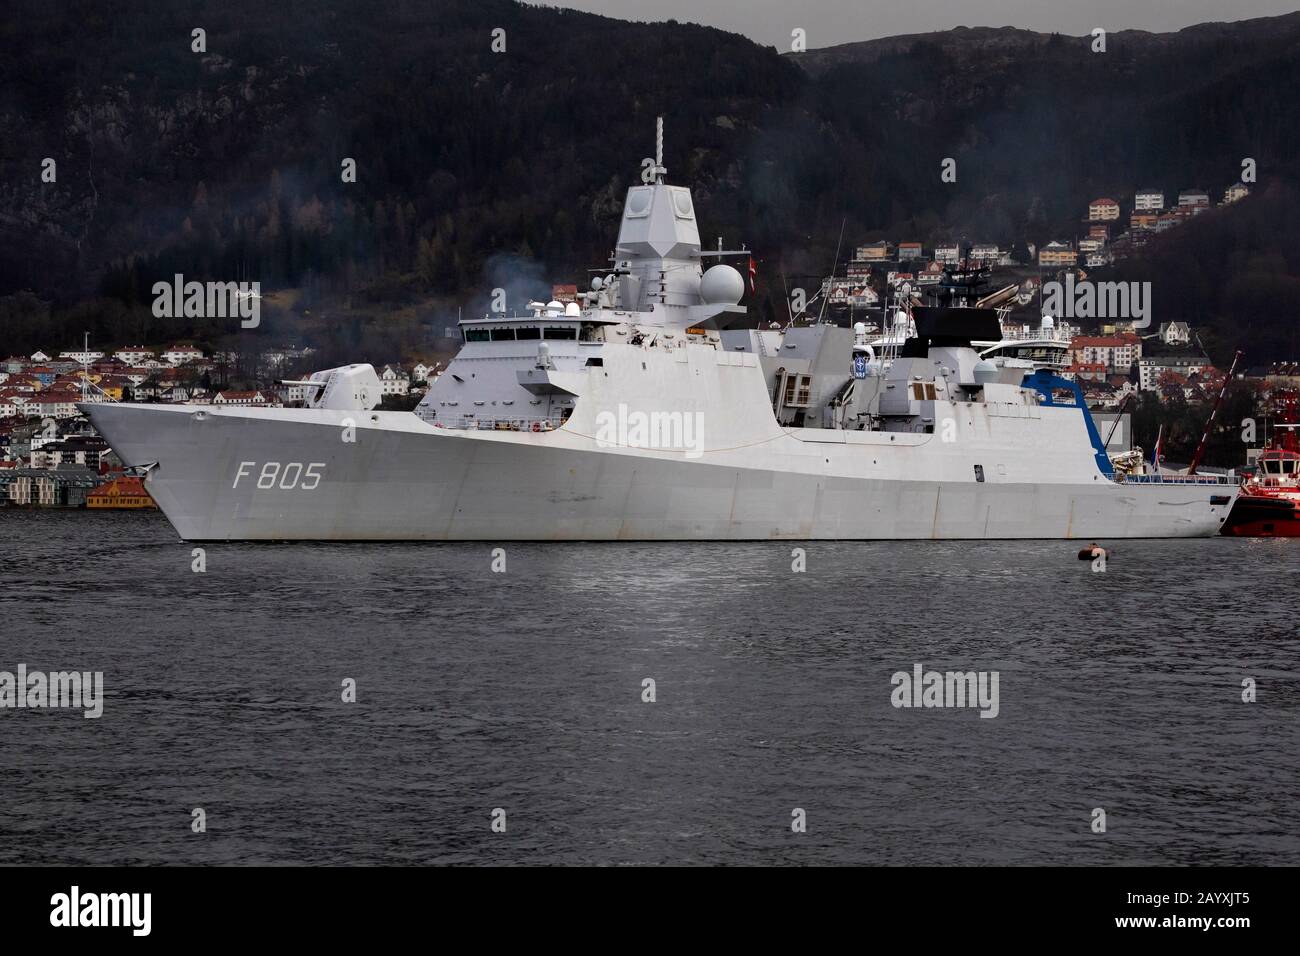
[{"x": 221, "y": 473}]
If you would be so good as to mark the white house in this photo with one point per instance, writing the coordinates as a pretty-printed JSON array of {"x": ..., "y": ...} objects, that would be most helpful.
[
  {"x": 1193, "y": 197},
  {"x": 39, "y": 356},
  {"x": 293, "y": 393},
  {"x": 393, "y": 381},
  {"x": 1236, "y": 191},
  {"x": 133, "y": 355},
  {"x": 1175, "y": 333},
  {"x": 59, "y": 404},
  {"x": 1149, "y": 199},
  {"x": 82, "y": 357},
  {"x": 1150, "y": 369},
  {"x": 948, "y": 254},
  {"x": 238, "y": 398},
  {"x": 180, "y": 354}
]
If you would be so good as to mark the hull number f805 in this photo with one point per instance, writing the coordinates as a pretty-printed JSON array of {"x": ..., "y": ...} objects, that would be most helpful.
[{"x": 287, "y": 476}]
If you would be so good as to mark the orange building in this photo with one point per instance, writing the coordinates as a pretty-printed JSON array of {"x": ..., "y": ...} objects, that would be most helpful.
[{"x": 124, "y": 492}]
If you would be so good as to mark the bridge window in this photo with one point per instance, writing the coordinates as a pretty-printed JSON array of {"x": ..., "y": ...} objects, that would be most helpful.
[
  {"x": 798, "y": 390},
  {"x": 561, "y": 333},
  {"x": 529, "y": 333},
  {"x": 476, "y": 335},
  {"x": 503, "y": 335}
]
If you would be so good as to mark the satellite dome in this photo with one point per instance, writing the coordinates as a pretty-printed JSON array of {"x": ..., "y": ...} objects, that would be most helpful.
[
  {"x": 721, "y": 285},
  {"x": 985, "y": 372},
  {"x": 596, "y": 283},
  {"x": 573, "y": 310}
]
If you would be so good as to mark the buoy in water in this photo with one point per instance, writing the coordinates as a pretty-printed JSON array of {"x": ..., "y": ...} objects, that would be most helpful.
[{"x": 1093, "y": 550}]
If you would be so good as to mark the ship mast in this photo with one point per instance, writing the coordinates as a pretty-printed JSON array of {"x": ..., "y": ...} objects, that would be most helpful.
[
  {"x": 660, "y": 170},
  {"x": 85, "y": 368},
  {"x": 1200, "y": 449}
]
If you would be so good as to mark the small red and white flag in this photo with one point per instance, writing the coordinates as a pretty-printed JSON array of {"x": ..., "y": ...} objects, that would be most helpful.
[
  {"x": 753, "y": 273},
  {"x": 1155, "y": 455}
]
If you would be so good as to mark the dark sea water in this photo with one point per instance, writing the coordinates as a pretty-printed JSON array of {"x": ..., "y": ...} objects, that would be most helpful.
[{"x": 522, "y": 691}]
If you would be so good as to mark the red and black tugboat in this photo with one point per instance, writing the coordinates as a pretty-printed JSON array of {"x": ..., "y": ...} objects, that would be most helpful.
[{"x": 1269, "y": 503}]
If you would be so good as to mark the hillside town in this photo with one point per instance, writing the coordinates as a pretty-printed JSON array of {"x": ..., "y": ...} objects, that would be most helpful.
[
  {"x": 1101, "y": 240},
  {"x": 1114, "y": 360},
  {"x": 50, "y": 456}
]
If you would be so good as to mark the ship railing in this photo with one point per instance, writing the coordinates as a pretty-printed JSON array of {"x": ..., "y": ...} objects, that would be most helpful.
[
  {"x": 1181, "y": 479},
  {"x": 473, "y": 423}
]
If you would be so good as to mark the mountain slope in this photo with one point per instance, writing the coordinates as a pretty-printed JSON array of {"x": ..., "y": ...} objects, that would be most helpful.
[{"x": 478, "y": 169}]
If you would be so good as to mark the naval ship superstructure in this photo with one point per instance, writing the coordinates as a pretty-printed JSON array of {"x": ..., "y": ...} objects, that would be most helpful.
[{"x": 639, "y": 413}]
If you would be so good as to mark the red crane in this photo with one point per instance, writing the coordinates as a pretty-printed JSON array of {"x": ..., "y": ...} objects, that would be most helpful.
[{"x": 1205, "y": 437}]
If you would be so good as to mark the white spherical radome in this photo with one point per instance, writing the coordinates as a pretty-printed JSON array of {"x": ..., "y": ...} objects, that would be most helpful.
[{"x": 721, "y": 285}]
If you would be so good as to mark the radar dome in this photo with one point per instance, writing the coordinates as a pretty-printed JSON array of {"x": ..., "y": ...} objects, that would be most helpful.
[
  {"x": 985, "y": 372},
  {"x": 721, "y": 285},
  {"x": 596, "y": 283}
]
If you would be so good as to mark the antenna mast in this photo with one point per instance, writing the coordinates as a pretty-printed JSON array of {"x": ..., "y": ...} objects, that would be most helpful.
[
  {"x": 85, "y": 368},
  {"x": 834, "y": 266},
  {"x": 660, "y": 170}
]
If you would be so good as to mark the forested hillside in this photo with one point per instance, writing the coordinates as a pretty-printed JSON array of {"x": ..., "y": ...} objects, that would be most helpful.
[{"x": 477, "y": 168}]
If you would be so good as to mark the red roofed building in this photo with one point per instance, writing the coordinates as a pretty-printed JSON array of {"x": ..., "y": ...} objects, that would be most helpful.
[
  {"x": 1117, "y": 352},
  {"x": 1103, "y": 210},
  {"x": 125, "y": 492},
  {"x": 1087, "y": 371}
]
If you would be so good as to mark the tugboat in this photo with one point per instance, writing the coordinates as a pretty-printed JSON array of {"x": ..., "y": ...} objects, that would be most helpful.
[{"x": 1269, "y": 504}]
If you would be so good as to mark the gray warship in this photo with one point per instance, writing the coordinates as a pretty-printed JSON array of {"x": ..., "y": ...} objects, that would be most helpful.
[{"x": 642, "y": 412}]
